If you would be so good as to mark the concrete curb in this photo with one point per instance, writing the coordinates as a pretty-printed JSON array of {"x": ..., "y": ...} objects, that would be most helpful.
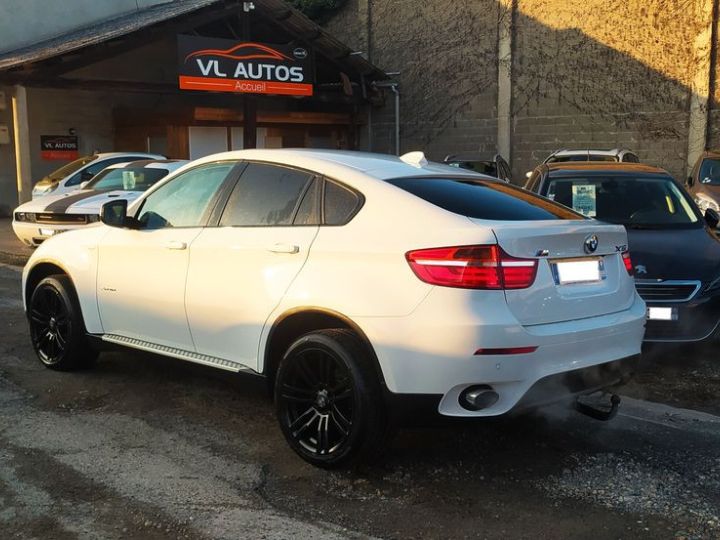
[{"x": 668, "y": 416}]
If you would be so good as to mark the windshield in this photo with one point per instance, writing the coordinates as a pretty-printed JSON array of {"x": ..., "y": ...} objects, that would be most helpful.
[
  {"x": 66, "y": 170},
  {"x": 637, "y": 202},
  {"x": 484, "y": 199},
  {"x": 581, "y": 157},
  {"x": 127, "y": 179},
  {"x": 710, "y": 172},
  {"x": 483, "y": 167}
]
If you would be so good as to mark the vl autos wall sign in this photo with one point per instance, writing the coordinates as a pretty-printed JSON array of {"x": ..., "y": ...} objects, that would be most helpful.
[
  {"x": 224, "y": 65},
  {"x": 61, "y": 147}
]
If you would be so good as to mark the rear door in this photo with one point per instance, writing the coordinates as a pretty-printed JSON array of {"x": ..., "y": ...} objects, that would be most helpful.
[{"x": 240, "y": 269}]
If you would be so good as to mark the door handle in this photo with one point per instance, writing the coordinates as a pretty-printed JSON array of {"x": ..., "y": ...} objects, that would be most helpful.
[
  {"x": 284, "y": 248},
  {"x": 175, "y": 244}
]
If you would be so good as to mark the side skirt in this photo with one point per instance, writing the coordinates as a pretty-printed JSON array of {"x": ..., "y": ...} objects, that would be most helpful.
[{"x": 173, "y": 352}]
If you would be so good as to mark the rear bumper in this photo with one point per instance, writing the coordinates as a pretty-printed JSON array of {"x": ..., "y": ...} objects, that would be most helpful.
[{"x": 431, "y": 352}]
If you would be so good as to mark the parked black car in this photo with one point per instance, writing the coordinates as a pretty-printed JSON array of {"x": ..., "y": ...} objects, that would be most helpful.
[
  {"x": 674, "y": 249},
  {"x": 704, "y": 181},
  {"x": 490, "y": 164}
]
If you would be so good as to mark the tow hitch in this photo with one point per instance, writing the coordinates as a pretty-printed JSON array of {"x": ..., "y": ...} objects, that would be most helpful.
[{"x": 594, "y": 408}]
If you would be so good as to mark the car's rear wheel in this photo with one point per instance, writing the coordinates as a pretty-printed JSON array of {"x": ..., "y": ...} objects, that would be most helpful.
[
  {"x": 328, "y": 399},
  {"x": 56, "y": 325}
]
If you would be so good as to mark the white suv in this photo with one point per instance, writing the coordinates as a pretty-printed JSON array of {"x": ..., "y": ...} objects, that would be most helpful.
[{"x": 353, "y": 282}]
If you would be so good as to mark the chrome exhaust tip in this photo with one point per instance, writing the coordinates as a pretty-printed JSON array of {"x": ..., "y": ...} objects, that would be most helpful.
[{"x": 478, "y": 397}]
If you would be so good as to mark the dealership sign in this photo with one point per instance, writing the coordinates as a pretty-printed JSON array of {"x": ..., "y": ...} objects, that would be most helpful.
[
  {"x": 63, "y": 147},
  {"x": 224, "y": 65}
]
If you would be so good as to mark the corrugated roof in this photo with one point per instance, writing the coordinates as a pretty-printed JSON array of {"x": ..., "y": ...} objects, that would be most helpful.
[
  {"x": 292, "y": 20},
  {"x": 100, "y": 32}
]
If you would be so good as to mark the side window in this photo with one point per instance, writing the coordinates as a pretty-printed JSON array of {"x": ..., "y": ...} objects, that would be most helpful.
[
  {"x": 92, "y": 170},
  {"x": 185, "y": 201},
  {"x": 340, "y": 204},
  {"x": 265, "y": 195}
]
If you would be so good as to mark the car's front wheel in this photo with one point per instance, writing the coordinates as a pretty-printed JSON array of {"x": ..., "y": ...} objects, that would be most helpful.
[
  {"x": 328, "y": 399},
  {"x": 56, "y": 325}
]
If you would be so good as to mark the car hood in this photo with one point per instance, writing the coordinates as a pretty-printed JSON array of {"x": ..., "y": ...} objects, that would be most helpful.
[
  {"x": 78, "y": 201},
  {"x": 681, "y": 254},
  {"x": 710, "y": 189}
]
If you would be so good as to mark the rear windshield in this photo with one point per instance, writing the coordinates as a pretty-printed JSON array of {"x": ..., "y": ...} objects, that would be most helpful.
[
  {"x": 127, "y": 178},
  {"x": 484, "y": 199},
  {"x": 636, "y": 202}
]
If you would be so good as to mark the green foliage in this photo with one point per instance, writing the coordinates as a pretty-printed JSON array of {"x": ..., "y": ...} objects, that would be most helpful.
[{"x": 318, "y": 10}]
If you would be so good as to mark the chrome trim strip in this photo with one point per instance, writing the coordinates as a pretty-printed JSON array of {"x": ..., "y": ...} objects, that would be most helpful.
[
  {"x": 670, "y": 282},
  {"x": 174, "y": 352}
]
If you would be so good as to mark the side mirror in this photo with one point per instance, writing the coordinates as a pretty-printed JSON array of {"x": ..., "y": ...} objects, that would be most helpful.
[
  {"x": 114, "y": 213},
  {"x": 83, "y": 184},
  {"x": 690, "y": 181},
  {"x": 712, "y": 218},
  {"x": 528, "y": 174}
]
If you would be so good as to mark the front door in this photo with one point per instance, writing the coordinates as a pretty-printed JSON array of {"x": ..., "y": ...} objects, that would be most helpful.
[
  {"x": 142, "y": 272},
  {"x": 240, "y": 270}
]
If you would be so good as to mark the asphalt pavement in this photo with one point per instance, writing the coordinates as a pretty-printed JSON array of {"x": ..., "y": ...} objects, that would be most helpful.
[{"x": 149, "y": 447}]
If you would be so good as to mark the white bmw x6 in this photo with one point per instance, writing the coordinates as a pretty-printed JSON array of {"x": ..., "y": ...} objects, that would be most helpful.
[{"x": 354, "y": 282}]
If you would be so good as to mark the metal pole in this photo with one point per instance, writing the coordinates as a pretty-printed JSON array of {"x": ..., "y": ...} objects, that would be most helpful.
[{"x": 397, "y": 118}]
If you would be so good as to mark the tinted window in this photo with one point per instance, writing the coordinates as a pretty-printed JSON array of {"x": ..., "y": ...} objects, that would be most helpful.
[
  {"x": 265, "y": 195},
  {"x": 309, "y": 211},
  {"x": 127, "y": 178},
  {"x": 185, "y": 201},
  {"x": 641, "y": 202},
  {"x": 484, "y": 199},
  {"x": 340, "y": 204}
]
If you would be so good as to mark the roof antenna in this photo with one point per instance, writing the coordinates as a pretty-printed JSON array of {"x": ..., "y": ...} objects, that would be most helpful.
[{"x": 416, "y": 159}]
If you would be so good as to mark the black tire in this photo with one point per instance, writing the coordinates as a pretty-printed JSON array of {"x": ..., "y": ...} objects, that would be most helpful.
[
  {"x": 56, "y": 326},
  {"x": 329, "y": 401}
]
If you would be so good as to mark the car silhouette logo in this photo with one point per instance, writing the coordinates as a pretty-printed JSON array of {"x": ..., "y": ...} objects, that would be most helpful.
[{"x": 591, "y": 244}]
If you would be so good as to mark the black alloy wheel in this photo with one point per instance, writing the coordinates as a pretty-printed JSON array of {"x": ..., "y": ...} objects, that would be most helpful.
[
  {"x": 56, "y": 326},
  {"x": 328, "y": 399}
]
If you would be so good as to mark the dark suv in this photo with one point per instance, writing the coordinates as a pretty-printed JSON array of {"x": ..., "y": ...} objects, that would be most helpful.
[{"x": 674, "y": 249}]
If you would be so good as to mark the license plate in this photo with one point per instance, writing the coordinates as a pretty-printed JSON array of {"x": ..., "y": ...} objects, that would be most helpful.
[
  {"x": 580, "y": 271},
  {"x": 48, "y": 232},
  {"x": 662, "y": 314}
]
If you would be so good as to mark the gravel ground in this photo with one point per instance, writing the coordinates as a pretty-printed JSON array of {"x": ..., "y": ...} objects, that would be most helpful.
[{"x": 148, "y": 447}]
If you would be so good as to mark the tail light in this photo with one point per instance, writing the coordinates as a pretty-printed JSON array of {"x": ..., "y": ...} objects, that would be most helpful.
[
  {"x": 472, "y": 267},
  {"x": 628, "y": 262}
]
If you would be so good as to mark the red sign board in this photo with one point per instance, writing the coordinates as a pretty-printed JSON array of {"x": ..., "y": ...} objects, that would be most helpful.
[
  {"x": 223, "y": 65},
  {"x": 59, "y": 147}
]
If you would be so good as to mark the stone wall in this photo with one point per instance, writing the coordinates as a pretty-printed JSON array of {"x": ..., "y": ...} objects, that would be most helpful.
[{"x": 585, "y": 73}]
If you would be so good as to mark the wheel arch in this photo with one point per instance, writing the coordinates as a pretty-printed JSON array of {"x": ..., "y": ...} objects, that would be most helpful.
[
  {"x": 299, "y": 321},
  {"x": 40, "y": 271}
]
